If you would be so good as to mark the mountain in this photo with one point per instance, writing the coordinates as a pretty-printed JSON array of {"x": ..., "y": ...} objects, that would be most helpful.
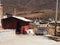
[{"x": 30, "y": 5}]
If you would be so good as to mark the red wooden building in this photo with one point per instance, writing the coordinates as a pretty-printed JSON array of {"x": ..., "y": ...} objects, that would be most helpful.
[{"x": 15, "y": 22}]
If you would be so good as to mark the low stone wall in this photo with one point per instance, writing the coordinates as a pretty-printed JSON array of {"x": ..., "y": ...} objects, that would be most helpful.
[{"x": 51, "y": 29}]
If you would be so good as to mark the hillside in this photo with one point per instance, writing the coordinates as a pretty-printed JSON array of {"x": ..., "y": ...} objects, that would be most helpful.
[{"x": 30, "y": 5}]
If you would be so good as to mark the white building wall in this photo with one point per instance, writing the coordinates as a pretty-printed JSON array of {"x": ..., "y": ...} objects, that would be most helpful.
[{"x": 1, "y": 13}]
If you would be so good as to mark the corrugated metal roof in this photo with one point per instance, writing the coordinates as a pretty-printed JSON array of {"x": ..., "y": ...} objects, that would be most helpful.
[
  {"x": 22, "y": 18},
  {"x": 18, "y": 17}
]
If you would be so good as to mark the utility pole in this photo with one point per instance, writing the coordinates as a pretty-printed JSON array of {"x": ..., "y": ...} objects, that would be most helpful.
[
  {"x": 14, "y": 11},
  {"x": 56, "y": 17},
  {"x": 1, "y": 9}
]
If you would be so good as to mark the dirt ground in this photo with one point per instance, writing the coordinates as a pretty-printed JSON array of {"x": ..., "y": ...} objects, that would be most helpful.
[{"x": 8, "y": 37}]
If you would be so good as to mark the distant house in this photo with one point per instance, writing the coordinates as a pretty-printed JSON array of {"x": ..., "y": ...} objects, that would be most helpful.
[
  {"x": 15, "y": 22},
  {"x": 40, "y": 28}
]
